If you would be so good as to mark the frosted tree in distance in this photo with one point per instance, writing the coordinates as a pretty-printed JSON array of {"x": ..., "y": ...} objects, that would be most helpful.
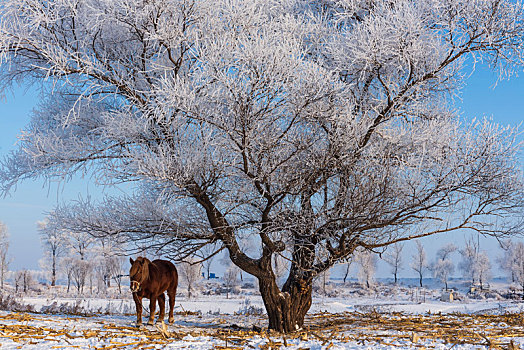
[
  {"x": 394, "y": 258},
  {"x": 4, "y": 248},
  {"x": 517, "y": 264},
  {"x": 508, "y": 259},
  {"x": 470, "y": 256},
  {"x": 307, "y": 127},
  {"x": 419, "y": 262},
  {"x": 443, "y": 266},
  {"x": 190, "y": 274},
  {"x": 55, "y": 245},
  {"x": 483, "y": 268},
  {"x": 367, "y": 263}
]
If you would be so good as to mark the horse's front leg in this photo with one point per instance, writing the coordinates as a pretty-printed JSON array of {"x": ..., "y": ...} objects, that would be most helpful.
[
  {"x": 138, "y": 304},
  {"x": 152, "y": 307}
]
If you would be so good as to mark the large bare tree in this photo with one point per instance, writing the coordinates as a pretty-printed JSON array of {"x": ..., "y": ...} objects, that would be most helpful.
[{"x": 309, "y": 128}]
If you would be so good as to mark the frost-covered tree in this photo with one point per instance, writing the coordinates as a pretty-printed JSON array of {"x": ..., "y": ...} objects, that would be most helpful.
[
  {"x": 67, "y": 265},
  {"x": 508, "y": 259},
  {"x": 18, "y": 279},
  {"x": 475, "y": 263},
  {"x": 54, "y": 242},
  {"x": 443, "y": 266},
  {"x": 311, "y": 127},
  {"x": 4, "y": 249},
  {"x": 190, "y": 274},
  {"x": 108, "y": 257},
  {"x": 394, "y": 258},
  {"x": 118, "y": 269},
  {"x": 469, "y": 262},
  {"x": 230, "y": 279},
  {"x": 80, "y": 271},
  {"x": 483, "y": 267},
  {"x": 321, "y": 281},
  {"x": 419, "y": 261},
  {"x": 23, "y": 280},
  {"x": 79, "y": 244},
  {"x": 367, "y": 265},
  {"x": 517, "y": 263}
]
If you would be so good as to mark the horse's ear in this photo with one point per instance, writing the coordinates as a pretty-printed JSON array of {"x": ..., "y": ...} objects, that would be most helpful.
[{"x": 131, "y": 261}]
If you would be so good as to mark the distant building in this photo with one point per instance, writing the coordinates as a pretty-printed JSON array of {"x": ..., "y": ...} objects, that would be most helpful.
[{"x": 447, "y": 295}]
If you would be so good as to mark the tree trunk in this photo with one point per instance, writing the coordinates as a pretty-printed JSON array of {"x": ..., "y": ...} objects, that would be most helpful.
[
  {"x": 346, "y": 274},
  {"x": 420, "y": 279},
  {"x": 53, "y": 273},
  {"x": 286, "y": 309}
]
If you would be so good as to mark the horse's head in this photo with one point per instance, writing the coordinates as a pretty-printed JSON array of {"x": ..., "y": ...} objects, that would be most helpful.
[{"x": 138, "y": 273}]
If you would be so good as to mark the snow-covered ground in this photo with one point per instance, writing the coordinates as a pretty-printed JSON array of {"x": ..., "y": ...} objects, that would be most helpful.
[{"x": 384, "y": 318}]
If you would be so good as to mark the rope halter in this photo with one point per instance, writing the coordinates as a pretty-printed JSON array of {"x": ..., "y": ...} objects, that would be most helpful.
[{"x": 135, "y": 286}]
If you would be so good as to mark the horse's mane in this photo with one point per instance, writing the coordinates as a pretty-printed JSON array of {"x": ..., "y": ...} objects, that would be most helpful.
[{"x": 145, "y": 269}]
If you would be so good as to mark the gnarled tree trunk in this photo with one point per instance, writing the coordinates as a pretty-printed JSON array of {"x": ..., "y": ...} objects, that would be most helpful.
[{"x": 286, "y": 309}]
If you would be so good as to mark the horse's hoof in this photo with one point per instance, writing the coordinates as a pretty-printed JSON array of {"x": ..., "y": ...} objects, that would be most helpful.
[
  {"x": 171, "y": 320},
  {"x": 150, "y": 323}
]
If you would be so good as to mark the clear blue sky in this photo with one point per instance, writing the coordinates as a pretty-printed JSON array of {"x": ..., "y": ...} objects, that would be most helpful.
[{"x": 24, "y": 207}]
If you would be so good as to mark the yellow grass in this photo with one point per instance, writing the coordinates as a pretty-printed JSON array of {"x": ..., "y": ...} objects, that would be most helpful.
[{"x": 396, "y": 329}]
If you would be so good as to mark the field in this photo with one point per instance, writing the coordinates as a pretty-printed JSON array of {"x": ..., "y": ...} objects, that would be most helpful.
[{"x": 386, "y": 317}]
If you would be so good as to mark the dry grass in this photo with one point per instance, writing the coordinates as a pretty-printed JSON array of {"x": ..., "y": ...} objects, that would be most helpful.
[
  {"x": 492, "y": 331},
  {"x": 396, "y": 329}
]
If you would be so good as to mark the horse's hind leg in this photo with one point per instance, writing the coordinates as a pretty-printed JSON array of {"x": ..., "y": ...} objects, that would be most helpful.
[
  {"x": 162, "y": 306},
  {"x": 171, "y": 293}
]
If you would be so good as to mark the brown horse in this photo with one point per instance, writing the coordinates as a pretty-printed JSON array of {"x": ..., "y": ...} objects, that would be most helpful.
[{"x": 150, "y": 279}]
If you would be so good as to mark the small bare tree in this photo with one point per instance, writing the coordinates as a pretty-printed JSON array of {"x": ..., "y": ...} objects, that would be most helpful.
[
  {"x": 231, "y": 279},
  {"x": 394, "y": 258},
  {"x": 444, "y": 266},
  {"x": 4, "y": 248},
  {"x": 23, "y": 281},
  {"x": 55, "y": 243},
  {"x": 67, "y": 266},
  {"x": 347, "y": 268},
  {"x": 509, "y": 258},
  {"x": 483, "y": 268},
  {"x": 419, "y": 261},
  {"x": 27, "y": 280},
  {"x": 80, "y": 271},
  {"x": 518, "y": 264},
  {"x": 321, "y": 282},
  {"x": 80, "y": 243},
  {"x": 18, "y": 280},
  {"x": 191, "y": 274},
  {"x": 367, "y": 261},
  {"x": 116, "y": 270},
  {"x": 469, "y": 263}
]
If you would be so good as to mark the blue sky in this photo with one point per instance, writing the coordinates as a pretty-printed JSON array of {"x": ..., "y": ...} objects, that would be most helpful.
[{"x": 32, "y": 199}]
